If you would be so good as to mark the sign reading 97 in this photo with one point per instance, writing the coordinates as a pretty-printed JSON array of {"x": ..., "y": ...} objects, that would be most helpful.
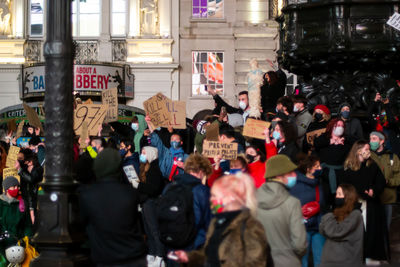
[{"x": 93, "y": 114}]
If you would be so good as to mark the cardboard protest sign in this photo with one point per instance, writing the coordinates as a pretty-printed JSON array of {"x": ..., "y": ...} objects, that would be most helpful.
[
  {"x": 88, "y": 102},
  {"x": 12, "y": 156},
  {"x": 33, "y": 117},
  {"x": 84, "y": 135},
  {"x": 92, "y": 114},
  {"x": 312, "y": 135},
  {"x": 226, "y": 150},
  {"x": 255, "y": 128},
  {"x": 12, "y": 125},
  {"x": 177, "y": 109},
  {"x": 212, "y": 131},
  {"x": 19, "y": 129},
  {"x": 394, "y": 21},
  {"x": 110, "y": 97},
  {"x": 11, "y": 172},
  {"x": 156, "y": 108}
]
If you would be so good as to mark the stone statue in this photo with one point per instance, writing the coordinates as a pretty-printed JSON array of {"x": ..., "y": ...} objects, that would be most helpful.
[
  {"x": 5, "y": 17},
  {"x": 149, "y": 20},
  {"x": 254, "y": 82}
]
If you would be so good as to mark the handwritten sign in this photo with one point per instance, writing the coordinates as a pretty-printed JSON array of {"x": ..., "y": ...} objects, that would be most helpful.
[
  {"x": 19, "y": 129},
  {"x": 33, "y": 117},
  {"x": 394, "y": 21},
  {"x": 84, "y": 135},
  {"x": 131, "y": 175},
  {"x": 212, "y": 132},
  {"x": 110, "y": 97},
  {"x": 156, "y": 107},
  {"x": 255, "y": 128},
  {"x": 226, "y": 150},
  {"x": 92, "y": 114},
  {"x": 11, "y": 172},
  {"x": 177, "y": 109},
  {"x": 88, "y": 102},
  {"x": 312, "y": 135},
  {"x": 12, "y": 156}
]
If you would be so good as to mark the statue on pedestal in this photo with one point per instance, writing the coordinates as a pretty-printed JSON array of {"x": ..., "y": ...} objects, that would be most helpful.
[
  {"x": 254, "y": 82},
  {"x": 5, "y": 17},
  {"x": 149, "y": 18}
]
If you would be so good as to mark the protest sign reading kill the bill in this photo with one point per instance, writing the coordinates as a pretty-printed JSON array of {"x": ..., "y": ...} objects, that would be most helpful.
[
  {"x": 177, "y": 109},
  {"x": 93, "y": 114},
  {"x": 255, "y": 128},
  {"x": 110, "y": 97},
  {"x": 156, "y": 108},
  {"x": 214, "y": 148}
]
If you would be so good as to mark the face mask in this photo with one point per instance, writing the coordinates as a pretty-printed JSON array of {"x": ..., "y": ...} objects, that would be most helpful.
[
  {"x": 338, "y": 131},
  {"x": 234, "y": 171},
  {"x": 142, "y": 158},
  {"x": 21, "y": 163},
  {"x": 276, "y": 135},
  {"x": 122, "y": 152},
  {"x": 318, "y": 117},
  {"x": 242, "y": 105},
  {"x": 291, "y": 181},
  {"x": 175, "y": 144},
  {"x": 250, "y": 158},
  {"x": 317, "y": 173},
  {"x": 158, "y": 128},
  {"x": 339, "y": 202},
  {"x": 374, "y": 145},
  {"x": 13, "y": 193},
  {"x": 217, "y": 206},
  {"x": 345, "y": 114},
  {"x": 135, "y": 126},
  {"x": 295, "y": 109}
]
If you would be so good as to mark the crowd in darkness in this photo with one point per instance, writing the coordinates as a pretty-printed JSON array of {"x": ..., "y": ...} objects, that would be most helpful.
[{"x": 317, "y": 190}]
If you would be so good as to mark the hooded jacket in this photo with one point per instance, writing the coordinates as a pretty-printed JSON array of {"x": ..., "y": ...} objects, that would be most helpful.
[
  {"x": 280, "y": 214},
  {"x": 138, "y": 135}
]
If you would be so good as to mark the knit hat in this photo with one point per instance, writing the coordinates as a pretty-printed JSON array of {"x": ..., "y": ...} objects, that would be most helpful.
[
  {"x": 235, "y": 120},
  {"x": 151, "y": 153},
  {"x": 107, "y": 163},
  {"x": 278, "y": 165},
  {"x": 324, "y": 108},
  {"x": 379, "y": 134},
  {"x": 200, "y": 127},
  {"x": 10, "y": 181}
]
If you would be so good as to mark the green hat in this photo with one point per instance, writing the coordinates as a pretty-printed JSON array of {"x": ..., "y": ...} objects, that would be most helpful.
[
  {"x": 107, "y": 164},
  {"x": 278, "y": 165}
]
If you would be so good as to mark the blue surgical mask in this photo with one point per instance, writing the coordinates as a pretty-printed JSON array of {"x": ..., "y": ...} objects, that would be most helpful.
[
  {"x": 234, "y": 171},
  {"x": 175, "y": 144},
  {"x": 135, "y": 126},
  {"x": 276, "y": 135},
  {"x": 317, "y": 173},
  {"x": 345, "y": 114},
  {"x": 291, "y": 181},
  {"x": 158, "y": 128},
  {"x": 122, "y": 152},
  {"x": 142, "y": 158},
  {"x": 295, "y": 109}
]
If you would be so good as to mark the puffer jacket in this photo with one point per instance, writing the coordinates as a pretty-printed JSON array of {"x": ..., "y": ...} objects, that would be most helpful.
[{"x": 280, "y": 214}]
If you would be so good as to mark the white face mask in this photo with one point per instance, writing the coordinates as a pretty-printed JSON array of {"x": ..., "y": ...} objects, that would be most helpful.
[
  {"x": 242, "y": 105},
  {"x": 338, "y": 131}
]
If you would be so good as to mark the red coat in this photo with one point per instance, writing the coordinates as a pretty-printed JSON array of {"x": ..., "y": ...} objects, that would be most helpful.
[
  {"x": 257, "y": 171},
  {"x": 214, "y": 176},
  {"x": 270, "y": 149}
]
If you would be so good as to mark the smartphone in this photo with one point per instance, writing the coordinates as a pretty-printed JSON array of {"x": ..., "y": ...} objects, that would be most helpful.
[{"x": 172, "y": 256}]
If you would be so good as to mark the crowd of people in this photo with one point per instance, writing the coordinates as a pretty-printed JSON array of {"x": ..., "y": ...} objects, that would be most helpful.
[{"x": 318, "y": 190}]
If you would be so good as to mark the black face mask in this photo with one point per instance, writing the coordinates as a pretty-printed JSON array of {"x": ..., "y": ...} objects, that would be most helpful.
[
  {"x": 250, "y": 158},
  {"x": 339, "y": 202},
  {"x": 318, "y": 117}
]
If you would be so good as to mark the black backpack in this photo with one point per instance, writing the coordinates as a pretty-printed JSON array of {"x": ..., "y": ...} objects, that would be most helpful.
[{"x": 175, "y": 216}]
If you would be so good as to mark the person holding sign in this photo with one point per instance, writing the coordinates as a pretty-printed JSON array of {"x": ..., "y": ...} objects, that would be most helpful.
[
  {"x": 321, "y": 118},
  {"x": 227, "y": 135},
  {"x": 128, "y": 154},
  {"x": 256, "y": 166}
]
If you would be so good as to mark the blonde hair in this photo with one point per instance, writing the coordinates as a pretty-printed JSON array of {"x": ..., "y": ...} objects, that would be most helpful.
[
  {"x": 241, "y": 188},
  {"x": 352, "y": 161}
]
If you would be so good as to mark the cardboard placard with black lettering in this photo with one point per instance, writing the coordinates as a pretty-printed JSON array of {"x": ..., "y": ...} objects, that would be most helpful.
[
  {"x": 314, "y": 134},
  {"x": 12, "y": 156},
  {"x": 156, "y": 108},
  {"x": 33, "y": 117},
  {"x": 92, "y": 114},
  {"x": 255, "y": 128},
  {"x": 84, "y": 135},
  {"x": 110, "y": 97},
  {"x": 212, "y": 131},
  {"x": 11, "y": 172},
  {"x": 227, "y": 151},
  {"x": 177, "y": 109}
]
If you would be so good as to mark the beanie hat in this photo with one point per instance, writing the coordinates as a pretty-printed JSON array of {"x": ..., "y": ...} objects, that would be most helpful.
[
  {"x": 151, "y": 153},
  {"x": 324, "y": 108},
  {"x": 10, "y": 181},
  {"x": 379, "y": 134},
  {"x": 235, "y": 120},
  {"x": 107, "y": 163},
  {"x": 278, "y": 165},
  {"x": 200, "y": 127}
]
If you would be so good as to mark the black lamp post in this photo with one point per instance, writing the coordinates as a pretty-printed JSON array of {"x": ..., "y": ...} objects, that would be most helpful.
[{"x": 59, "y": 235}]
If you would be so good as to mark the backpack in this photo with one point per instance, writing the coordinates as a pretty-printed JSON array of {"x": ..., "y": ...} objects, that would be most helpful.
[{"x": 175, "y": 216}]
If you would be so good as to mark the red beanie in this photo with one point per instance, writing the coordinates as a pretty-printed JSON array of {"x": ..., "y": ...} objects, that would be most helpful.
[{"x": 324, "y": 108}]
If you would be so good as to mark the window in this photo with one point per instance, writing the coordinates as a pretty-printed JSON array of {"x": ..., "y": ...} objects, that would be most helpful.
[
  {"x": 211, "y": 9},
  {"x": 207, "y": 70},
  {"x": 118, "y": 17},
  {"x": 36, "y": 17},
  {"x": 86, "y": 18}
]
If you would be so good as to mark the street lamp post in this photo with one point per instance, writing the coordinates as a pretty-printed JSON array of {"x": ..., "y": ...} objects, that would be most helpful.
[{"x": 59, "y": 236}]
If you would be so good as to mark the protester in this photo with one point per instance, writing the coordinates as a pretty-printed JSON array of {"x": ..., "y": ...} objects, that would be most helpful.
[
  {"x": 128, "y": 154},
  {"x": 37, "y": 146},
  {"x": 302, "y": 117},
  {"x": 280, "y": 213},
  {"x": 273, "y": 88},
  {"x": 109, "y": 208},
  {"x": 344, "y": 230},
  {"x": 243, "y": 104},
  {"x": 321, "y": 118},
  {"x": 256, "y": 165},
  {"x": 235, "y": 237},
  {"x": 353, "y": 130},
  {"x": 235, "y": 165},
  {"x": 138, "y": 125}
]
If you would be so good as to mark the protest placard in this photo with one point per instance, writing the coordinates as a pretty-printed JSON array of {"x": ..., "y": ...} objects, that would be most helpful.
[
  {"x": 19, "y": 129},
  {"x": 312, "y": 135},
  {"x": 84, "y": 135},
  {"x": 177, "y": 109},
  {"x": 212, "y": 131},
  {"x": 33, "y": 117},
  {"x": 226, "y": 150},
  {"x": 94, "y": 116},
  {"x": 12, "y": 156},
  {"x": 12, "y": 125},
  {"x": 132, "y": 176},
  {"x": 394, "y": 21},
  {"x": 156, "y": 108},
  {"x": 110, "y": 97},
  {"x": 11, "y": 172},
  {"x": 255, "y": 128},
  {"x": 88, "y": 102}
]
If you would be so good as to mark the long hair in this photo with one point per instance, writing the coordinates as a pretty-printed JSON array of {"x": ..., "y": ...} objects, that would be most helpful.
[
  {"x": 288, "y": 131},
  {"x": 306, "y": 162},
  {"x": 143, "y": 169},
  {"x": 350, "y": 199},
  {"x": 352, "y": 161},
  {"x": 331, "y": 125},
  {"x": 258, "y": 152},
  {"x": 241, "y": 188}
]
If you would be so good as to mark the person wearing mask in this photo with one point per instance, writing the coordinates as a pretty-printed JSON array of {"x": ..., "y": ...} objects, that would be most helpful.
[
  {"x": 308, "y": 191},
  {"x": 344, "y": 231},
  {"x": 235, "y": 165},
  {"x": 353, "y": 129},
  {"x": 243, "y": 104},
  {"x": 280, "y": 213},
  {"x": 128, "y": 155},
  {"x": 117, "y": 240},
  {"x": 332, "y": 149},
  {"x": 389, "y": 164},
  {"x": 234, "y": 237},
  {"x": 171, "y": 161},
  {"x": 256, "y": 165},
  {"x": 321, "y": 118},
  {"x": 273, "y": 88},
  {"x": 285, "y": 105},
  {"x": 37, "y": 146},
  {"x": 138, "y": 125},
  {"x": 227, "y": 135},
  {"x": 364, "y": 174},
  {"x": 302, "y": 117}
]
